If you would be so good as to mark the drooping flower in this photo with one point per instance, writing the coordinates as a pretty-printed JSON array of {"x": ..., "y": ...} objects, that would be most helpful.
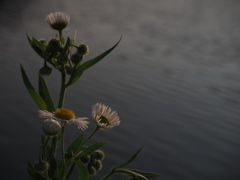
[
  {"x": 51, "y": 127},
  {"x": 65, "y": 116},
  {"x": 104, "y": 117},
  {"x": 58, "y": 20}
]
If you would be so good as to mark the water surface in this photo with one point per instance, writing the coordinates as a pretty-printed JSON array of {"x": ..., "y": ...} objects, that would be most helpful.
[{"x": 173, "y": 79}]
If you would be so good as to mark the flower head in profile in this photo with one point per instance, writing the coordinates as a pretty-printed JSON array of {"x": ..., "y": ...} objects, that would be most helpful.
[
  {"x": 58, "y": 20},
  {"x": 65, "y": 116},
  {"x": 104, "y": 117}
]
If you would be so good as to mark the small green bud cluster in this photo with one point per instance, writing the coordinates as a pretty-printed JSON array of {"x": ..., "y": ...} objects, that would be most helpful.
[
  {"x": 83, "y": 49},
  {"x": 76, "y": 58},
  {"x": 45, "y": 70},
  {"x": 54, "y": 46},
  {"x": 41, "y": 166},
  {"x": 93, "y": 161}
]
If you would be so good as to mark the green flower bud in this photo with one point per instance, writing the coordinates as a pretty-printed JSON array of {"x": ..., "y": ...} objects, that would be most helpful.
[
  {"x": 51, "y": 127},
  {"x": 91, "y": 170},
  {"x": 98, "y": 154},
  {"x": 85, "y": 159},
  {"x": 53, "y": 46},
  {"x": 97, "y": 164},
  {"x": 76, "y": 58},
  {"x": 83, "y": 49},
  {"x": 69, "y": 70},
  {"x": 41, "y": 166},
  {"x": 45, "y": 71}
]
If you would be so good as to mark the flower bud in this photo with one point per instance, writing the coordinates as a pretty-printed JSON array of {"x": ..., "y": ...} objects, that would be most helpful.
[
  {"x": 98, "y": 154},
  {"x": 76, "y": 58},
  {"x": 53, "y": 46},
  {"x": 97, "y": 164},
  {"x": 41, "y": 166},
  {"x": 45, "y": 71},
  {"x": 91, "y": 170},
  {"x": 51, "y": 127},
  {"x": 83, "y": 49},
  {"x": 58, "y": 20},
  {"x": 69, "y": 70},
  {"x": 85, "y": 159}
]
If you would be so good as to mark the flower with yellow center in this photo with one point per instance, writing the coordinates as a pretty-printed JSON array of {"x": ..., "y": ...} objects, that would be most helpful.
[
  {"x": 65, "y": 116},
  {"x": 58, "y": 20},
  {"x": 104, "y": 117}
]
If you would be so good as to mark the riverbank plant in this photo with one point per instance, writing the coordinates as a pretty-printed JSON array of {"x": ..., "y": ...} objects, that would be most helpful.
[{"x": 62, "y": 54}]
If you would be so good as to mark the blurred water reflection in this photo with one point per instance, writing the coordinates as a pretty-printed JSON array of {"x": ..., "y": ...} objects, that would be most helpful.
[{"x": 174, "y": 80}]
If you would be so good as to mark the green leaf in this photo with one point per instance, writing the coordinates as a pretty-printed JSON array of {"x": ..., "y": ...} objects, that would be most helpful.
[
  {"x": 63, "y": 55},
  {"x": 70, "y": 171},
  {"x": 92, "y": 148},
  {"x": 75, "y": 146},
  {"x": 53, "y": 167},
  {"x": 43, "y": 91},
  {"x": 62, "y": 40},
  {"x": 131, "y": 174},
  {"x": 36, "y": 97},
  {"x": 33, "y": 174},
  {"x": 37, "y": 46},
  {"x": 145, "y": 174},
  {"x": 130, "y": 160},
  {"x": 65, "y": 170},
  {"x": 76, "y": 74},
  {"x": 83, "y": 172},
  {"x": 74, "y": 37}
]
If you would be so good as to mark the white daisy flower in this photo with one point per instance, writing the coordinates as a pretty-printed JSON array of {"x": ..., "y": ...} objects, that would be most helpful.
[
  {"x": 65, "y": 116},
  {"x": 104, "y": 116},
  {"x": 58, "y": 20}
]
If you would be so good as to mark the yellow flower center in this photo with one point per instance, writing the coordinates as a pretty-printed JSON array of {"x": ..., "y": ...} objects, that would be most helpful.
[{"x": 64, "y": 114}]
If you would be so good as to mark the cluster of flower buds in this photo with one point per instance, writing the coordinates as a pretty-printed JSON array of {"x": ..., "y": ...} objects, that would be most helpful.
[
  {"x": 93, "y": 161},
  {"x": 41, "y": 166},
  {"x": 56, "y": 51}
]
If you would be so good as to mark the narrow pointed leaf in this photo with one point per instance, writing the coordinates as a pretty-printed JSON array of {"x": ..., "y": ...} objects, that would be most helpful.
[
  {"x": 92, "y": 148},
  {"x": 131, "y": 174},
  {"x": 75, "y": 146},
  {"x": 45, "y": 94},
  {"x": 83, "y": 172},
  {"x": 36, "y": 45},
  {"x": 63, "y": 56},
  {"x": 70, "y": 171},
  {"x": 130, "y": 160},
  {"x": 36, "y": 97},
  {"x": 145, "y": 174},
  {"x": 78, "y": 72}
]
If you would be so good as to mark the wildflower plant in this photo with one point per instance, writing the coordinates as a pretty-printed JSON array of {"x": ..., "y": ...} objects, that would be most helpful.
[{"x": 66, "y": 57}]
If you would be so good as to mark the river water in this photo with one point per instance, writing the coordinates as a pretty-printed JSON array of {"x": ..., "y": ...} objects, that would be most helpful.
[{"x": 173, "y": 79}]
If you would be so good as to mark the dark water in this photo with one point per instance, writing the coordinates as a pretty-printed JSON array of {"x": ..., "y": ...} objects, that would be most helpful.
[{"x": 174, "y": 81}]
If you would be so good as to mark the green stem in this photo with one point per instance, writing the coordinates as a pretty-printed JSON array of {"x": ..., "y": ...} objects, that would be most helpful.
[
  {"x": 60, "y": 105},
  {"x": 62, "y": 143},
  {"x": 95, "y": 130},
  {"x": 42, "y": 152},
  {"x": 60, "y": 35},
  {"x": 63, "y": 89}
]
